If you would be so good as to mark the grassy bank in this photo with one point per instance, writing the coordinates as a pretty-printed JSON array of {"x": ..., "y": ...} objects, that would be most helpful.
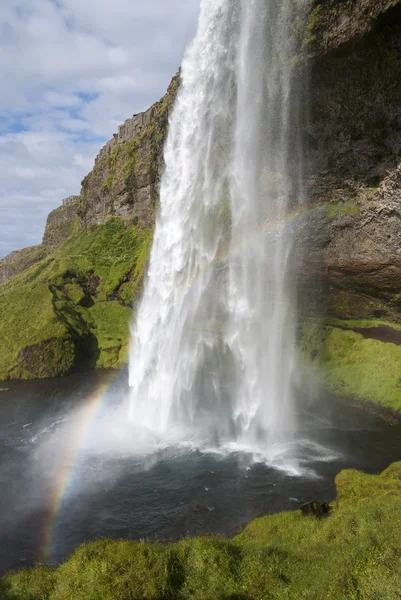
[
  {"x": 355, "y": 553},
  {"x": 354, "y": 364}
]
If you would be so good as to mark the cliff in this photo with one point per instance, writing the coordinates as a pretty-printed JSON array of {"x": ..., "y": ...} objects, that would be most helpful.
[
  {"x": 87, "y": 275},
  {"x": 66, "y": 304},
  {"x": 350, "y": 231}
]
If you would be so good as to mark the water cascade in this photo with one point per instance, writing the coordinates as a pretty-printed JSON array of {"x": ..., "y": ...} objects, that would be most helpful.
[{"x": 213, "y": 352}]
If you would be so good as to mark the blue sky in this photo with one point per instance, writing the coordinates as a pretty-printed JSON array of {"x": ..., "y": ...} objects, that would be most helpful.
[{"x": 71, "y": 72}]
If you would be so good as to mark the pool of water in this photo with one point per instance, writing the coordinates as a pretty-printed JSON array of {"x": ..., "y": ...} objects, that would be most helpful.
[{"x": 72, "y": 469}]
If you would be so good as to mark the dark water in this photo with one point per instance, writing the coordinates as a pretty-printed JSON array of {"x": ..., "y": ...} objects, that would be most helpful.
[{"x": 67, "y": 477}]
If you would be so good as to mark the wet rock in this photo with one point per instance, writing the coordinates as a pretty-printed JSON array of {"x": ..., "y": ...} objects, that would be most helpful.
[
  {"x": 315, "y": 509},
  {"x": 201, "y": 508}
]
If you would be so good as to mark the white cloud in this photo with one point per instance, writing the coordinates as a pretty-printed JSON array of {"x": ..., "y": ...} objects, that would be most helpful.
[{"x": 71, "y": 72}]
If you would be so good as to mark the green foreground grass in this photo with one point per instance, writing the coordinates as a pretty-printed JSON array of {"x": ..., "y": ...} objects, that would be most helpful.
[
  {"x": 75, "y": 305},
  {"x": 355, "y": 553}
]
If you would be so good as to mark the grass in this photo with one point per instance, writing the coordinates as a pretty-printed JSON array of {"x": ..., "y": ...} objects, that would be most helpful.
[
  {"x": 342, "y": 209},
  {"x": 350, "y": 365},
  {"x": 353, "y": 554},
  {"x": 75, "y": 305}
]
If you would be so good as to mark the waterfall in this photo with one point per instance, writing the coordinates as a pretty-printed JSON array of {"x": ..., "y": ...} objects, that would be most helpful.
[{"x": 213, "y": 345}]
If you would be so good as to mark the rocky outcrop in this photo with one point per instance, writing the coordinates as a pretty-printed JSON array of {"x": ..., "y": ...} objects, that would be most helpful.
[
  {"x": 19, "y": 261},
  {"x": 334, "y": 23},
  {"x": 60, "y": 222},
  {"x": 59, "y": 227},
  {"x": 351, "y": 233},
  {"x": 52, "y": 358}
]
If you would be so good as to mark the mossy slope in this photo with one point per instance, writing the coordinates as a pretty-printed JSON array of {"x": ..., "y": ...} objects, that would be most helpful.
[
  {"x": 353, "y": 554},
  {"x": 352, "y": 364},
  {"x": 72, "y": 309}
]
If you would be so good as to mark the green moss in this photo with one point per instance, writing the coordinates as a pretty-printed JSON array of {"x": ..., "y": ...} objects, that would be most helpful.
[
  {"x": 110, "y": 323},
  {"x": 52, "y": 358},
  {"x": 74, "y": 292},
  {"x": 351, "y": 366},
  {"x": 342, "y": 209},
  {"x": 27, "y": 320},
  {"x": 74, "y": 306},
  {"x": 316, "y": 18},
  {"x": 131, "y": 155},
  {"x": 110, "y": 570},
  {"x": 109, "y": 182},
  {"x": 352, "y": 305},
  {"x": 323, "y": 15},
  {"x": 354, "y": 553},
  {"x": 113, "y": 158}
]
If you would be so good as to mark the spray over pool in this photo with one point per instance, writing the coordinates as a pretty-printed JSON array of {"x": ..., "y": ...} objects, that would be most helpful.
[{"x": 213, "y": 353}]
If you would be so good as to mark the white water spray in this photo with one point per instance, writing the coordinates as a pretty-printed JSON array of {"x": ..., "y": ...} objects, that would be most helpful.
[{"x": 213, "y": 351}]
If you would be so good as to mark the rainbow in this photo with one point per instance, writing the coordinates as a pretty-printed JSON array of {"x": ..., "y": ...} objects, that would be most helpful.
[{"x": 62, "y": 486}]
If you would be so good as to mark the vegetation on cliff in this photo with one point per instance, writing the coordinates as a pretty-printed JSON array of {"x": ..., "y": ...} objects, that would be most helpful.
[
  {"x": 355, "y": 359},
  {"x": 125, "y": 180},
  {"x": 72, "y": 309},
  {"x": 353, "y": 553},
  {"x": 334, "y": 22}
]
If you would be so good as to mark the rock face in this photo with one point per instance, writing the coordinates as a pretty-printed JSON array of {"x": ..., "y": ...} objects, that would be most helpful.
[
  {"x": 60, "y": 222},
  {"x": 334, "y": 23},
  {"x": 353, "y": 155},
  {"x": 351, "y": 229},
  {"x": 125, "y": 180}
]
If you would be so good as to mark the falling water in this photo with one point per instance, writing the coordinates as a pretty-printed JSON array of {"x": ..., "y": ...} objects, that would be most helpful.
[{"x": 213, "y": 352}]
